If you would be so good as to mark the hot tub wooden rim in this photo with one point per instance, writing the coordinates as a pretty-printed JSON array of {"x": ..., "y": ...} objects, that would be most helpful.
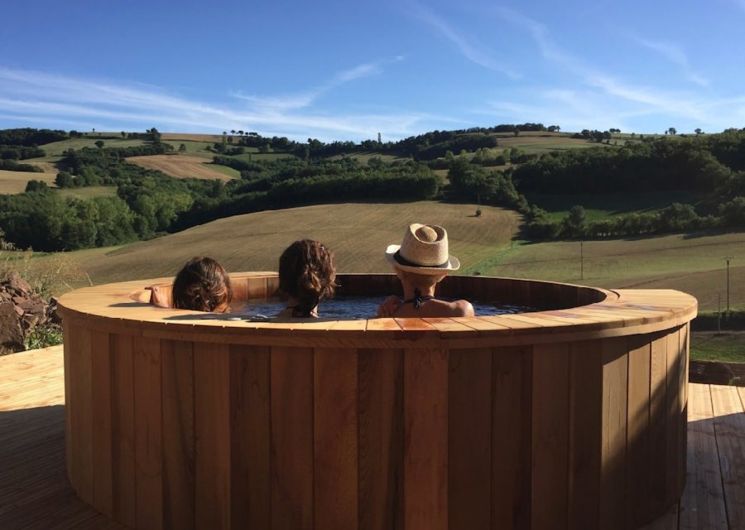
[{"x": 622, "y": 312}]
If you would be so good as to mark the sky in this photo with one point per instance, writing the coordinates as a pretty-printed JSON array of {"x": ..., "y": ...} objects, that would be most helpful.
[{"x": 341, "y": 70}]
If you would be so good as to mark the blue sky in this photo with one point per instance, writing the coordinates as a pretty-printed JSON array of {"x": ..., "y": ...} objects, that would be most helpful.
[{"x": 348, "y": 70}]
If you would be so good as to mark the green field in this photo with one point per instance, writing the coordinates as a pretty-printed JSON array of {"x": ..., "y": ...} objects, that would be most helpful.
[
  {"x": 358, "y": 234},
  {"x": 725, "y": 346},
  {"x": 88, "y": 192},
  {"x": 691, "y": 264},
  {"x": 55, "y": 149}
]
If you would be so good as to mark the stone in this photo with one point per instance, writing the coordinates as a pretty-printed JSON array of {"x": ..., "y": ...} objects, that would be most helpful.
[
  {"x": 18, "y": 284},
  {"x": 11, "y": 334}
]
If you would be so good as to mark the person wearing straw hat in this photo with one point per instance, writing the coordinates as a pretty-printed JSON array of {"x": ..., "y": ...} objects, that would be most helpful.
[{"x": 421, "y": 261}]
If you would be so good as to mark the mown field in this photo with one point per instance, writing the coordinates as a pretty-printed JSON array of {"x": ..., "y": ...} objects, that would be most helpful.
[
  {"x": 185, "y": 166},
  {"x": 358, "y": 234},
  {"x": 727, "y": 346},
  {"x": 692, "y": 264},
  {"x": 12, "y": 182}
]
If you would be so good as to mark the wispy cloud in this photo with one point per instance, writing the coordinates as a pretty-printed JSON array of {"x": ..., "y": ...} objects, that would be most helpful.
[
  {"x": 641, "y": 99},
  {"x": 72, "y": 101},
  {"x": 675, "y": 54},
  {"x": 310, "y": 96},
  {"x": 469, "y": 49}
]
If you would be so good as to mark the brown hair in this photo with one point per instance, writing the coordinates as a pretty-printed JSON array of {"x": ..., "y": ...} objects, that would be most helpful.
[
  {"x": 202, "y": 285},
  {"x": 307, "y": 272}
]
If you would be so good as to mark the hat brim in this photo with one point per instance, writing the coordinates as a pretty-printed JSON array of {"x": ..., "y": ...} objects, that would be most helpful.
[{"x": 390, "y": 254}]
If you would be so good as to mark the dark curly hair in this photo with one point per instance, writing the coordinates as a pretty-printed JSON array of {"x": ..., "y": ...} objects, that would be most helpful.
[
  {"x": 202, "y": 285},
  {"x": 307, "y": 273}
]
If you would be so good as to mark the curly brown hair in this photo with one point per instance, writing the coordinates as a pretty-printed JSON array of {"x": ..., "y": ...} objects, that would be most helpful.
[
  {"x": 307, "y": 273},
  {"x": 202, "y": 285}
]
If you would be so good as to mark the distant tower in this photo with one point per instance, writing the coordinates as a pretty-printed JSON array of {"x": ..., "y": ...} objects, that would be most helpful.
[{"x": 379, "y": 140}]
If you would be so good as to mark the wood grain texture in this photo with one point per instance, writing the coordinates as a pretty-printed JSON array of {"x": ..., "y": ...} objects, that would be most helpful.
[
  {"x": 381, "y": 439},
  {"x": 614, "y": 502},
  {"x": 249, "y": 434},
  {"x": 585, "y": 427},
  {"x": 425, "y": 435},
  {"x": 729, "y": 426},
  {"x": 550, "y": 443},
  {"x": 674, "y": 360},
  {"x": 292, "y": 438},
  {"x": 212, "y": 428},
  {"x": 101, "y": 390},
  {"x": 178, "y": 434},
  {"x": 469, "y": 439},
  {"x": 511, "y": 438},
  {"x": 123, "y": 430},
  {"x": 148, "y": 433},
  {"x": 81, "y": 414},
  {"x": 335, "y": 402},
  {"x": 638, "y": 442},
  {"x": 657, "y": 422}
]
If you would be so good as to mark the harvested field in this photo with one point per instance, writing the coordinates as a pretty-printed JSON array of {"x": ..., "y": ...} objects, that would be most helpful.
[
  {"x": 12, "y": 182},
  {"x": 183, "y": 166}
]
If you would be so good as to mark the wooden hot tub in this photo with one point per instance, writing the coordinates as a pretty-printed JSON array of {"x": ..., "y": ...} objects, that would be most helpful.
[{"x": 570, "y": 417}]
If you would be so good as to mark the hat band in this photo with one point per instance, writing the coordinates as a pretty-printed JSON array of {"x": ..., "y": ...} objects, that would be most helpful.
[{"x": 403, "y": 261}]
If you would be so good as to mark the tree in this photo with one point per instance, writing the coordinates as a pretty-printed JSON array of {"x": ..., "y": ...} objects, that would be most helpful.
[
  {"x": 671, "y": 131},
  {"x": 516, "y": 131},
  {"x": 124, "y": 134},
  {"x": 698, "y": 131},
  {"x": 575, "y": 223},
  {"x": 99, "y": 144},
  {"x": 36, "y": 185},
  {"x": 64, "y": 180},
  {"x": 182, "y": 148}
]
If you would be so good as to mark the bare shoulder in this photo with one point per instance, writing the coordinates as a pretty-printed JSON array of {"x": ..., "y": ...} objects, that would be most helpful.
[{"x": 462, "y": 308}]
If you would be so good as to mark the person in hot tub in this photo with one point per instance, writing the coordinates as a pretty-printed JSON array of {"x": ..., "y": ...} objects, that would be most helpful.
[
  {"x": 307, "y": 275},
  {"x": 201, "y": 285},
  {"x": 422, "y": 261}
]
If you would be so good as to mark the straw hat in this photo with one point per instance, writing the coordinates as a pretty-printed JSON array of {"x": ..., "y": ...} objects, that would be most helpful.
[{"x": 424, "y": 250}]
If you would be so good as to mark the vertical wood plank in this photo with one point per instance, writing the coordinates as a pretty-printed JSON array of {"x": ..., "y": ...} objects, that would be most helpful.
[
  {"x": 68, "y": 346},
  {"x": 123, "y": 429},
  {"x": 729, "y": 426},
  {"x": 250, "y": 431},
  {"x": 212, "y": 423},
  {"x": 101, "y": 421},
  {"x": 613, "y": 494},
  {"x": 380, "y": 377},
  {"x": 702, "y": 504},
  {"x": 81, "y": 413},
  {"x": 178, "y": 434},
  {"x": 148, "y": 435},
  {"x": 683, "y": 335},
  {"x": 511, "y": 438},
  {"x": 672, "y": 417},
  {"x": 292, "y": 437},
  {"x": 426, "y": 438},
  {"x": 637, "y": 436},
  {"x": 585, "y": 425},
  {"x": 469, "y": 439},
  {"x": 335, "y": 439},
  {"x": 550, "y": 444},
  {"x": 657, "y": 399}
]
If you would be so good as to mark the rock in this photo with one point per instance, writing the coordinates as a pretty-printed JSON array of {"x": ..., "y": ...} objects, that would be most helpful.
[
  {"x": 18, "y": 284},
  {"x": 11, "y": 334},
  {"x": 35, "y": 306},
  {"x": 18, "y": 309}
]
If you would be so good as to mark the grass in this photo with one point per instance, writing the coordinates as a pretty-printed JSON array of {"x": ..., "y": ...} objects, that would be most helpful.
[
  {"x": 185, "y": 166},
  {"x": 687, "y": 263},
  {"x": 712, "y": 346},
  {"x": 55, "y": 149},
  {"x": 88, "y": 192},
  {"x": 358, "y": 234},
  {"x": 12, "y": 182},
  {"x": 600, "y": 205}
]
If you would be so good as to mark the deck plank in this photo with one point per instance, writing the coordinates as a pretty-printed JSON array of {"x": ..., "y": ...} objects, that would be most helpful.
[{"x": 729, "y": 427}]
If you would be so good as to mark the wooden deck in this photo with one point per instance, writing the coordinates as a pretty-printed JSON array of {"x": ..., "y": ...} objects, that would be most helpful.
[{"x": 35, "y": 493}]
